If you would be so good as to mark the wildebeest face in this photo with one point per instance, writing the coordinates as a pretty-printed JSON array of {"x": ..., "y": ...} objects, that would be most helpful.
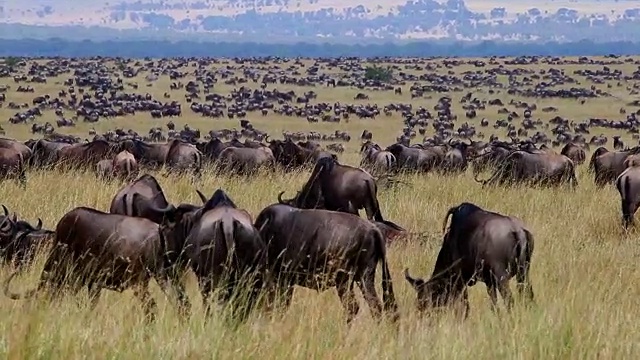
[{"x": 430, "y": 294}]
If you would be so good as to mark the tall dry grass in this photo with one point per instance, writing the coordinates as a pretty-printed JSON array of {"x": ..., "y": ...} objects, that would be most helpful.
[{"x": 584, "y": 274}]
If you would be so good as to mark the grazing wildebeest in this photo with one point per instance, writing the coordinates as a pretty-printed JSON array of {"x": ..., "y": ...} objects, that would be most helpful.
[
  {"x": 100, "y": 250},
  {"x": 479, "y": 245},
  {"x": 46, "y": 152},
  {"x": 19, "y": 240},
  {"x": 628, "y": 185},
  {"x": 246, "y": 160},
  {"x": 608, "y": 165},
  {"x": 291, "y": 155},
  {"x": 340, "y": 188},
  {"x": 223, "y": 249},
  {"x": 320, "y": 249},
  {"x": 414, "y": 158},
  {"x": 78, "y": 155},
  {"x": 142, "y": 198},
  {"x": 534, "y": 168},
  {"x": 125, "y": 165},
  {"x": 489, "y": 158},
  {"x": 574, "y": 152}
]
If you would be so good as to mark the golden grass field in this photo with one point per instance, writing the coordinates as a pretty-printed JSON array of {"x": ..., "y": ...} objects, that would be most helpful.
[{"x": 584, "y": 271}]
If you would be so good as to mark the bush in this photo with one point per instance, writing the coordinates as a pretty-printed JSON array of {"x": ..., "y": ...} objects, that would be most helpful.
[{"x": 378, "y": 73}]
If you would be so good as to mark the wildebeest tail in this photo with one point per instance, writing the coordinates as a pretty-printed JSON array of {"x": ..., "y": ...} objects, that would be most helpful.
[
  {"x": 227, "y": 228},
  {"x": 524, "y": 253},
  {"x": 388, "y": 296},
  {"x": 373, "y": 200}
]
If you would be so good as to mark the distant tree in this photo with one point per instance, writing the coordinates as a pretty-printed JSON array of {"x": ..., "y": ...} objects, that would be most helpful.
[
  {"x": 378, "y": 73},
  {"x": 11, "y": 61}
]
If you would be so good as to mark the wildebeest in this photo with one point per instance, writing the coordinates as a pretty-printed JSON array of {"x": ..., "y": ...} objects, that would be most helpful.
[
  {"x": 111, "y": 251},
  {"x": 222, "y": 248},
  {"x": 628, "y": 185},
  {"x": 608, "y": 165},
  {"x": 292, "y": 156},
  {"x": 534, "y": 168},
  {"x": 19, "y": 240},
  {"x": 479, "y": 245},
  {"x": 142, "y": 198},
  {"x": 79, "y": 155},
  {"x": 338, "y": 187},
  {"x": 182, "y": 156},
  {"x": 574, "y": 152},
  {"x": 104, "y": 169},
  {"x": 12, "y": 165},
  {"x": 416, "y": 159},
  {"x": 489, "y": 158},
  {"x": 375, "y": 159},
  {"x": 125, "y": 165},
  {"x": 246, "y": 160},
  {"x": 320, "y": 249}
]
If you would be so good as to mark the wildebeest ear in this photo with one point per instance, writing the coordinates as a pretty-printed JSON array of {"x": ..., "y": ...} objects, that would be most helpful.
[{"x": 416, "y": 283}]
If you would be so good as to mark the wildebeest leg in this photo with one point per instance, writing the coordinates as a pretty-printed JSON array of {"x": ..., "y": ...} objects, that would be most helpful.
[
  {"x": 141, "y": 291},
  {"x": 505, "y": 292},
  {"x": 368, "y": 288},
  {"x": 206, "y": 289},
  {"x": 493, "y": 294},
  {"x": 182, "y": 300},
  {"x": 628, "y": 211},
  {"x": 344, "y": 285},
  {"x": 94, "y": 294}
]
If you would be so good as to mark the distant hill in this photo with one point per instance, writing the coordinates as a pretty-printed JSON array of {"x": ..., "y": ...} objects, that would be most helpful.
[{"x": 324, "y": 20}]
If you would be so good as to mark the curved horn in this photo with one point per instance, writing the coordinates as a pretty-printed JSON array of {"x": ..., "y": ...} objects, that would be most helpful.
[
  {"x": 266, "y": 138},
  {"x": 39, "y": 225},
  {"x": 15, "y": 296},
  {"x": 414, "y": 282},
  {"x": 280, "y": 198},
  {"x": 202, "y": 197},
  {"x": 6, "y": 212}
]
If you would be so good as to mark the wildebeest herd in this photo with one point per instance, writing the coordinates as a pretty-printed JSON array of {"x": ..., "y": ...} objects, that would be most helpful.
[{"x": 144, "y": 236}]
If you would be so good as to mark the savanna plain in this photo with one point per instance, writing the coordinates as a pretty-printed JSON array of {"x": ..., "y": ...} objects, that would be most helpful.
[{"x": 584, "y": 270}]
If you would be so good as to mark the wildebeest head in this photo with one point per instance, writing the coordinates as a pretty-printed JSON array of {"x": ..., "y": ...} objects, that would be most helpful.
[
  {"x": 8, "y": 227},
  {"x": 310, "y": 197}
]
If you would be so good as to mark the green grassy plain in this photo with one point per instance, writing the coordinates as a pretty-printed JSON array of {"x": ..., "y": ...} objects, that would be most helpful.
[{"x": 584, "y": 271}]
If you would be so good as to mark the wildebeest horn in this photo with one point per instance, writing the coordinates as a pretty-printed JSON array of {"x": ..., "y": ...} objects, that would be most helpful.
[
  {"x": 280, "y": 197},
  {"x": 39, "y": 225},
  {"x": 6, "y": 212},
  {"x": 414, "y": 282},
  {"x": 202, "y": 197}
]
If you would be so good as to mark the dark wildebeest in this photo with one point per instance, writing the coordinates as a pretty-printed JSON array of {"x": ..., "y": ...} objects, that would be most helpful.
[
  {"x": 182, "y": 156},
  {"x": 416, "y": 159},
  {"x": 17, "y": 146},
  {"x": 341, "y": 187},
  {"x": 222, "y": 248},
  {"x": 292, "y": 156},
  {"x": 211, "y": 150},
  {"x": 142, "y": 198},
  {"x": 19, "y": 240},
  {"x": 608, "y": 165},
  {"x": 320, "y": 249},
  {"x": 46, "y": 152},
  {"x": 628, "y": 185},
  {"x": 111, "y": 251},
  {"x": 246, "y": 160},
  {"x": 125, "y": 165},
  {"x": 79, "y": 155},
  {"x": 536, "y": 169},
  {"x": 574, "y": 152},
  {"x": 479, "y": 245},
  {"x": 489, "y": 158},
  {"x": 455, "y": 159},
  {"x": 13, "y": 165}
]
